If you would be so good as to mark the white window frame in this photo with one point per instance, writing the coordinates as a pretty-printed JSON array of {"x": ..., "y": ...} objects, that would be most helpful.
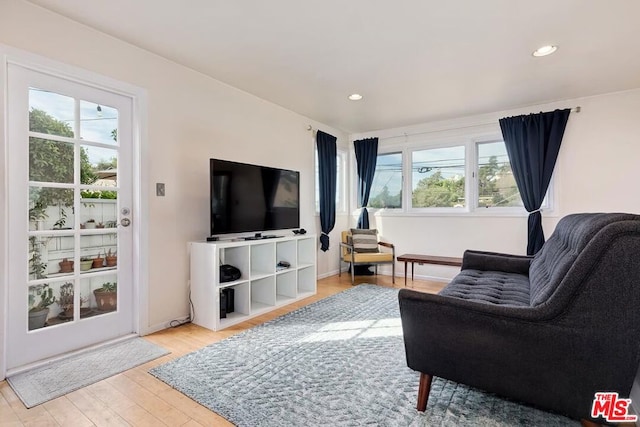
[{"x": 471, "y": 181}]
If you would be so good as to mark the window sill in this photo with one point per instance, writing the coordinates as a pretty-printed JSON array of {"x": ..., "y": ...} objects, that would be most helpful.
[{"x": 479, "y": 213}]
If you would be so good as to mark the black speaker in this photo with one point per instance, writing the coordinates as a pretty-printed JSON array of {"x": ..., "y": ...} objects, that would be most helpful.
[
  {"x": 223, "y": 304},
  {"x": 229, "y": 273},
  {"x": 228, "y": 297}
]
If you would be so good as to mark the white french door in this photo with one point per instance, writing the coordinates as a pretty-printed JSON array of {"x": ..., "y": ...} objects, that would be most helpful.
[{"x": 70, "y": 233}]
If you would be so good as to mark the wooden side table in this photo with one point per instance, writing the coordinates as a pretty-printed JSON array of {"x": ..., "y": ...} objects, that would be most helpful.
[{"x": 426, "y": 259}]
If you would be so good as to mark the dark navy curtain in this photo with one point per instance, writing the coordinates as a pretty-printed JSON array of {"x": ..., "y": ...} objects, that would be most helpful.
[
  {"x": 366, "y": 157},
  {"x": 533, "y": 142},
  {"x": 327, "y": 172}
]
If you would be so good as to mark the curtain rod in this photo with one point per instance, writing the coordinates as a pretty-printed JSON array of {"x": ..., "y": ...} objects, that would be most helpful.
[{"x": 576, "y": 109}]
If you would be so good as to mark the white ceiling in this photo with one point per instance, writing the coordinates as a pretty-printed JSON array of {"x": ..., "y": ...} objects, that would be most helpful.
[{"x": 413, "y": 61}]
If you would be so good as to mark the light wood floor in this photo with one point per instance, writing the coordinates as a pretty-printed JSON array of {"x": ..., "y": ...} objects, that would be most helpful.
[{"x": 136, "y": 398}]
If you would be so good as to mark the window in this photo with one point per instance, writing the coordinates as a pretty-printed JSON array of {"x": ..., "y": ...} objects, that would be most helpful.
[
  {"x": 496, "y": 183},
  {"x": 341, "y": 185},
  {"x": 386, "y": 189},
  {"x": 461, "y": 177},
  {"x": 438, "y": 178}
]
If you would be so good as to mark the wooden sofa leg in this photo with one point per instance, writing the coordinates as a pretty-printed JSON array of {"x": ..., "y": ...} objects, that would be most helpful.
[{"x": 423, "y": 391}]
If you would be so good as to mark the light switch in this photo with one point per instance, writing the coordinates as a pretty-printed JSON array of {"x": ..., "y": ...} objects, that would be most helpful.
[{"x": 160, "y": 189}]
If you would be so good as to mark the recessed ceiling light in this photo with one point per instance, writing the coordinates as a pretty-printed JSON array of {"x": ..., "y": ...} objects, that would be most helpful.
[
  {"x": 355, "y": 97},
  {"x": 545, "y": 50}
]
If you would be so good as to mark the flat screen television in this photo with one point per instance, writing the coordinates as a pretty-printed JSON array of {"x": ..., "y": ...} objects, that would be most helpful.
[{"x": 253, "y": 198}]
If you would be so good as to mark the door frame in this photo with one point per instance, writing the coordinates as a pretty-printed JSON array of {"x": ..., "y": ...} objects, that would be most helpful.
[{"x": 140, "y": 180}]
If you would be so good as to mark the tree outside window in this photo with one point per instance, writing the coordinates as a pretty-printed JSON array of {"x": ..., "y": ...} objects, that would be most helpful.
[
  {"x": 438, "y": 178},
  {"x": 386, "y": 190},
  {"x": 496, "y": 183}
]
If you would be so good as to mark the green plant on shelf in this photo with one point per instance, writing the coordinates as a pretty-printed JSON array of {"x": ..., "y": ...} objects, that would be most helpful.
[
  {"x": 108, "y": 287},
  {"x": 46, "y": 297}
]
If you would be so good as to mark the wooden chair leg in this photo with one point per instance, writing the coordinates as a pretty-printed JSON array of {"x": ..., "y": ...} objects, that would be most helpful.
[
  {"x": 393, "y": 271},
  {"x": 423, "y": 391}
]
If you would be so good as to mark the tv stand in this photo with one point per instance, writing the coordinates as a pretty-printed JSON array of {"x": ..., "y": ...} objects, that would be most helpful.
[{"x": 265, "y": 283}]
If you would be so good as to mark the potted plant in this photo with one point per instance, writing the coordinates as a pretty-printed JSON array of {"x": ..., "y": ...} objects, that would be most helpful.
[
  {"x": 91, "y": 223},
  {"x": 98, "y": 261},
  {"x": 107, "y": 296},
  {"x": 111, "y": 259},
  {"x": 39, "y": 312},
  {"x": 66, "y": 266},
  {"x": 85, "y": 263},
  {"x": 65, "y": 301}
]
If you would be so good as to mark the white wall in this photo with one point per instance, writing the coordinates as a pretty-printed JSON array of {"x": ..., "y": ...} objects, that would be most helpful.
[
  {"x": 597, "y": 169},
  {"x": 191, "y": 118}
]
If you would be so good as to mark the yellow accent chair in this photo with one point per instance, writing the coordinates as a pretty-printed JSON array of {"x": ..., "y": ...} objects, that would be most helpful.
[{"x": 348, "y": 254}]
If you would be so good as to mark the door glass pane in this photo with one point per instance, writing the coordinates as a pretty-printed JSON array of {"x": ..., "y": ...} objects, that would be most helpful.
[
  {"x": 50, "y": 208},
  {"x": 99, "y": 166},
  {"x": 51, "y": 256},
  {"x": 96, "y": 213},
  {"x": 438, "y": 178},
  {"x": 50, "y": 161},
  {"x": 98, "y": 123},
  {"x": 51, "y": 113},
  {"x": 50, "y": 304},
  {"x": 101, "y": 249},
  {"x": 100, "y": 295}
]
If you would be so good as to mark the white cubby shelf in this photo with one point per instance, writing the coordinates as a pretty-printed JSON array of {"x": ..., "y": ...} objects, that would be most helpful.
[{"x": 262, "y": 286}]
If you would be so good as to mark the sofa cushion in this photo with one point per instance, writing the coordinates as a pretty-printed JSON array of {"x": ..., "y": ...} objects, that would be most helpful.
[
  {"x": 572, "y": 234},
  {"x": 493, "y": 287}
]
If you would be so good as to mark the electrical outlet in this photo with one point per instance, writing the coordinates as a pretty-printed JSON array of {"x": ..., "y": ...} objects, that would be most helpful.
[{"x": 160, "y": 189}]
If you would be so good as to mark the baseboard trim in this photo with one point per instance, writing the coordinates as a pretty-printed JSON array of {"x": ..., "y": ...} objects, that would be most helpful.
[
  {"x": 161, "y": 326},
  {"x": 328, "y": 274},
  {"x": 385, "y": 271}
]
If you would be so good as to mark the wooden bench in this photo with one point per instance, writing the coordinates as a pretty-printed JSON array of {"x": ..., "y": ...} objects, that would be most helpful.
[{"x": 427, "y": 259}]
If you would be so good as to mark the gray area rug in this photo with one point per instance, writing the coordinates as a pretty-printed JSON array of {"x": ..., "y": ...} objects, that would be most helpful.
[
  {"x": 58, "y": 378},
  {"x": 337, "y": 362}
]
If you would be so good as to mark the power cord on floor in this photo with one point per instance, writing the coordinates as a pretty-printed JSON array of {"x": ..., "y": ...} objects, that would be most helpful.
[{"x": 192, "y": 314}]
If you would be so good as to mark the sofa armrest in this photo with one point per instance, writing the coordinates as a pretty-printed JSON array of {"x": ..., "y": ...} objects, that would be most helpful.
[{"x": 493, "y": 261}]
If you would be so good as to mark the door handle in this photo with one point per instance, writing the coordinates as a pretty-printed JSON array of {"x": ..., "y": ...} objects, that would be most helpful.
[{"x": 125, "y": 222}]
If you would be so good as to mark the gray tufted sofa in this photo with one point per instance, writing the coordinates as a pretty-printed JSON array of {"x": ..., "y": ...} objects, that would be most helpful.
[{"x": 549, "y": 330}]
